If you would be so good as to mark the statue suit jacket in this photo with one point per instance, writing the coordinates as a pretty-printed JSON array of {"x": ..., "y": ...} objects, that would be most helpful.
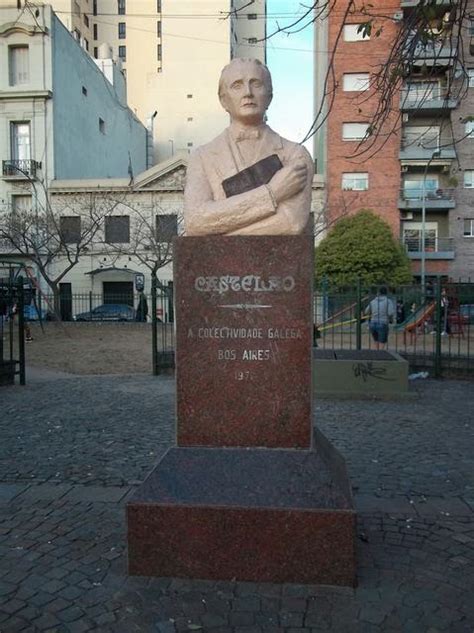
[{"x": 207, "y": 210}]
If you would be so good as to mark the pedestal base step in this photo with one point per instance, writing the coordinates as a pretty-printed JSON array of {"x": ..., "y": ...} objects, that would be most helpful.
[{"x": 247, "y": 514}]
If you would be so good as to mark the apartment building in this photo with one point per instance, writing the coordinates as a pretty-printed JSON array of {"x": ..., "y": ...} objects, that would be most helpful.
[
  {"x": 172, "y": 52},
  {"x": 60, "y": 116},
  {"x": 419, "y": 172},
  {"x": 74, "y": 14}
]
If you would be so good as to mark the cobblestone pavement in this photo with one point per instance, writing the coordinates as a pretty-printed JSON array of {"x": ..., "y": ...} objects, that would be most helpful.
[{"x": 72, "y": 449}]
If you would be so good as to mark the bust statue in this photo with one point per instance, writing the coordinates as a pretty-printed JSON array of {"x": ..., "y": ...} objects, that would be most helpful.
[{"x": 248, "y": 180}]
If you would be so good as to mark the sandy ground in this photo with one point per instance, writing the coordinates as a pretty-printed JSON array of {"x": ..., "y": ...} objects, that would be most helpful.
[{"x": 92, "y": 348}]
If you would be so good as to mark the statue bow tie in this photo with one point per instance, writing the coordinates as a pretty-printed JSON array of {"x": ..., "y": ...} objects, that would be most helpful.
[{"x": 245, "y": 135}]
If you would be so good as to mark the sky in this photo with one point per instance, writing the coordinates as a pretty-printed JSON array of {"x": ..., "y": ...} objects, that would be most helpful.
[{"x": 290, "y": 59}]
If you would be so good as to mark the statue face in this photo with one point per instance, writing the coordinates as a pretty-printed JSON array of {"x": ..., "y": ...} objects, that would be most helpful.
[{"x": 246, "y": 96}]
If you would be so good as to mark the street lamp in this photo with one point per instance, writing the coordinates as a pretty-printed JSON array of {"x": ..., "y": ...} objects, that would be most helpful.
[{"x": 434, "y": 155}]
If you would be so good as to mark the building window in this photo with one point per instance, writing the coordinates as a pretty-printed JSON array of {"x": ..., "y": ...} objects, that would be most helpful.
[
  {"x": 158, "y": 28},
  {"x": 469, "y": 179},
  {"x": 20, "y": 139},
  {"x": 355, "y": 33},
  {"x": 19, "y": 65},
  {"x": 94, "y": 7},
  {"x": 121, "y": 7},
  {"x": 418, "y": 92},
  {"x": 252, "y": 40},
  {"x": 70, "y": 229},
  {"x": 189, "y": 96},
  {"x": 21, "y": 204},
  {"x": 412, "y": 237},
  {"x": 158, "y": 52},
  {"x": 117, "y": 229},
  {"x": 190, "y": 144},
  {"x": 84, "y": 91},
  {"x": 469, "y": 227},
  {"x": 166, "y": 227},
  {"x": 469, "y": 129},
  {"x": 95, "y": 30},
  {"x": 86, "y": 44},
  {"x": 77, "y": 35},
  {"x": 96, "y": 52},
  {"x": 190, "y": 118},
  {"x": 158, "y": 6},
  {"x": 354, "y": 131},
  {"x": 86, "y": 20},
  {"x": 101, "y": 125},
  {"x": 471, "y": 28},
  {"x": 121, "y": 30},
  {"x": 424, "y": 136},
  {"x": 470, "y": 76},
  {"x": 356, "y": 181},
  {"x": 355, "y": 82},
  {"x": 251, "y": 16},
  {"x": 122, "y": 53}
]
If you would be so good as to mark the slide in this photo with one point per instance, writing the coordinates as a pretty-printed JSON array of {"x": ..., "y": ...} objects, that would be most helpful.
[{"x": 416, "y": 318}]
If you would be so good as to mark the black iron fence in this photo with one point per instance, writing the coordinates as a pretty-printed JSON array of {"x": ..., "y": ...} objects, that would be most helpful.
[
  {"x": 433, "y": 327},
  {"x": 155, "y": 308},
  {"x": 12, "y": 326}
]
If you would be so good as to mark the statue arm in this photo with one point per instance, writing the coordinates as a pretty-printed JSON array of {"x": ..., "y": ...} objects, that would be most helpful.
[
  {"x": 292, "y": 214},
  {"x": 205, "y": 216}
]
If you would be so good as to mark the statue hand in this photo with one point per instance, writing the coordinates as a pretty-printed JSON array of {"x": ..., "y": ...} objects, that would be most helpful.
[{"x": 289, "y": 181}]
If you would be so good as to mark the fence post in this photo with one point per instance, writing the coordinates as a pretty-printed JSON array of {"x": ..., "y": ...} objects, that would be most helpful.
[
  {"x": 358, "y": 312},
  {"x": 90, "y": 304},
  {"x": 21, "y": 329},
  {"x": 437, "y": 358},
  {"x": 154, "y": 325}
]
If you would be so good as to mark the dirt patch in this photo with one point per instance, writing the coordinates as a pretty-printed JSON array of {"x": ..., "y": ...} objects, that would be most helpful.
[{"x": 93, "y": 348}]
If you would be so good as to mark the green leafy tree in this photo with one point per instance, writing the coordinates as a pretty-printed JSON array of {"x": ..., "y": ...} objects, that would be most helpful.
[{"x": 362, "y": 246}]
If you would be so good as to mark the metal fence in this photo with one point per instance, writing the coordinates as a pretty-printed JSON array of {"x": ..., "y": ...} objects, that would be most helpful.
[
  {"x": 12, "y": 326},
  {"x": 155, "y": 308},
  {"x": 433, "y": 329}
]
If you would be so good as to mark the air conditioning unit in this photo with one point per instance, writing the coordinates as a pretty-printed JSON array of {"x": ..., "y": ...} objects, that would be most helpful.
[
  {"x": 446, "y": 169},
  {"x": 404, "y": 169},
  {"x": 405, "y": 118},
  {"x": 398, "y": 16},
  {"x": 406, "y": 215}
]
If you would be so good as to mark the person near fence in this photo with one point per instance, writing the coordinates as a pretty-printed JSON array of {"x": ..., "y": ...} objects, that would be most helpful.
[
  {"x": 381, "y": 312},
  {"x": 142, "y": 308}
]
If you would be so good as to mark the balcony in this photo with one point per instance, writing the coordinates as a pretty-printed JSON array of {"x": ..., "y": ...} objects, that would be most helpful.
[
  {"x": 20, "y": 169},
  {"x": 426, "y": 103},
  {"x": 440, "y": 53},
  {"x": 435, "y": 247},
  {"x": 438, "y": 199},
  {"x": 408, "y": 4},
  {"x": 411, "y": 149}
]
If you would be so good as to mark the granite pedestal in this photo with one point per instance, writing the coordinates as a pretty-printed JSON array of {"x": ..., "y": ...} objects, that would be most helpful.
[{"x": 247, "y": 493}]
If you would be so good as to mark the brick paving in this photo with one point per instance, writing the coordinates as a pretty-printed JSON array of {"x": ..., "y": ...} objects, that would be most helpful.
[{"x": 71, "y": 450}]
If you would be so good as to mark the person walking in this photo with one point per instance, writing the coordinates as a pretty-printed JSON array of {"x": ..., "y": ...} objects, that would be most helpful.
[{"x": 381, "y": 312}]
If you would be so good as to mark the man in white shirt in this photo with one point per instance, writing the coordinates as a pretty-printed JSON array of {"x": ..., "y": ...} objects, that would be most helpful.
[{"x": 381, "y": 311}]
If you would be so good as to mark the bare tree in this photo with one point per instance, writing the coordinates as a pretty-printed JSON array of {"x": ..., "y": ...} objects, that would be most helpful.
[
  {"x": 55, "y": 235},
  {"x": 429, "y": 27}
]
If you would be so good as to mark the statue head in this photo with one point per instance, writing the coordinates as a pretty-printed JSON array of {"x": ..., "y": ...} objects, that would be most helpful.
[{"x": 245, "y": 90}]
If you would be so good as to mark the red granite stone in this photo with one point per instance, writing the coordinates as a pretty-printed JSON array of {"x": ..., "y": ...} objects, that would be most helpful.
[
  {"x": 251, "y": 514},
  {"x": 243, "y": 350}
]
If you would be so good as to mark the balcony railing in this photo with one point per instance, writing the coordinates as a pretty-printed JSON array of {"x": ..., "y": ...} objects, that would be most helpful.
[
  {"x": 434, "y": 198},
  {"x": 20, "y": 169},
  {"x": 435, "y": 247},
  {"x": 423, "y": 148},
  {"x": 440, "y": 53},
  {"x": 407, "y": 4},
  {"x": 428, "y": 101}
]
